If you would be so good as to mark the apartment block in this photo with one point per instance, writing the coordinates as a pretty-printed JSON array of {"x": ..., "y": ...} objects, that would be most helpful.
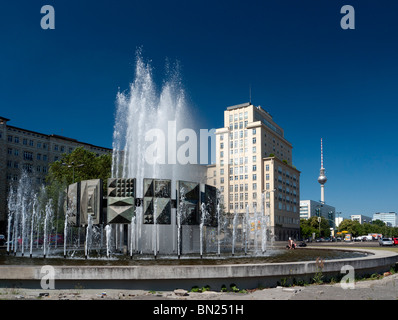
[
  {"x": 23, "y": 149},
  {"x": 253, "y": 158}
]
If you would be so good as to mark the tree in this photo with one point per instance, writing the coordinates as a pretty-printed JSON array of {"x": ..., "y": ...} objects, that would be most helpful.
[
  {"x": 379, "y": 223},
  {"x": 310, "y": 226},
  {"x": 93, "y": 167},
  {"x": 353, "y": 227}
]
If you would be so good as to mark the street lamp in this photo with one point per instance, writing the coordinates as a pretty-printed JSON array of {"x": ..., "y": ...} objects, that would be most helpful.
[{"x": 73, "y": 166}]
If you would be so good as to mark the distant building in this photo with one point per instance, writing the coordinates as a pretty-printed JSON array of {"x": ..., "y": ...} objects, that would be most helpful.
[
  {"x": 338, "y": 220},
  {"x": 23, "y": 149},
  {"x": 389, "y": 218},
  {"x": 308, "y": 209},
  {"x": 360, "y": 218}
]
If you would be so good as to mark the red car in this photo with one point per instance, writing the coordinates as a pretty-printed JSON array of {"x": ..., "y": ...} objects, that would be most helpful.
[{"x": 395, "y": 240}]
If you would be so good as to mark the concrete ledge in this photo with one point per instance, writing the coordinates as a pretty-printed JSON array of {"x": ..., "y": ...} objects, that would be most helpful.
[{"x": 171, "y": 277}]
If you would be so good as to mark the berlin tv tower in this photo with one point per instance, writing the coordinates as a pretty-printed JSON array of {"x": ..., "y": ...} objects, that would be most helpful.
[{"x": 322, "y": 177}]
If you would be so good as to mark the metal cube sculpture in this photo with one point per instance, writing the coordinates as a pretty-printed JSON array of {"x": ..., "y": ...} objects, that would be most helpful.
[
  {"x": 90, "y": 201},
  {"x": 72, "y": 204},
  {"x": 188, "y": 202},
  {"x": 121, "y": 200},
  {"x": 157, "y": 201}
]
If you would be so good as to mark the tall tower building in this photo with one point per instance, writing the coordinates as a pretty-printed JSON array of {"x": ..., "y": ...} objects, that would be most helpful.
[
  {"x": 322, "y": 177},
  {"x": 254, "y": 164}
]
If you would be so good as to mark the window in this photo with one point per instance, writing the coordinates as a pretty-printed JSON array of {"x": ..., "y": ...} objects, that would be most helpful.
[
  {"x": 56, "y": 147},
  {"x": 27, "y": 167},
  {"x": 254, "y": 131},
  {"x": 254, "y": 140},
  {"x": 28, "y": 156},
  {"x": 31, "y": 143},
  {"x": 16, "y": 139},
  {"x": 9, "y": 138},
  {"x": 221, "y": 145},
  {"x": 267, "y": 177},
  {"x": 254, "y": 186},
  {"x": 9, "y": 150},
  {"x": 25, "y": 142},
  {"x": 267, "y": 167},
  {"x": 38, "y": 145},
  {"x": 255, "y": 169},
  {"x": 254, "y": 177}
]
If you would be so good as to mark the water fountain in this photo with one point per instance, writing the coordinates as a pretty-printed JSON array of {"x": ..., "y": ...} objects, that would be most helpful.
[
  {"x": 160, "y": 210},
  {"x": 157, "y": 202}
]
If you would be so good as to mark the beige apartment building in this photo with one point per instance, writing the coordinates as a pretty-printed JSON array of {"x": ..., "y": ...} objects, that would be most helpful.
[
  {"x": 22, "y": 149},
  {"x": 254, "y": 159}
]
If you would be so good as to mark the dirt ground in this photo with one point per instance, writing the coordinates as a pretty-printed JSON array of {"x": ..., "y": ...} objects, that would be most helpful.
[{"x": 385, "y": 288}]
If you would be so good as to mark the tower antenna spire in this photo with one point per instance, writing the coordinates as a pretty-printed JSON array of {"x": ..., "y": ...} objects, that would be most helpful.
[
  {"x": 250, "y": 93},
  {"x": 321, "y": 154},
  {"x": 322, "y": 176}
]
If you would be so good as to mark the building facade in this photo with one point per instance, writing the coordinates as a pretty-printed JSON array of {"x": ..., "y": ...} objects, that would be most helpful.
[
  {"x": 23, "y": 149},
  {"x": 253, "y": 158},
  {"x": 308, "y": 209},
  {"x": 389, "y": 218},
  {"x": 360, "y": 218}
]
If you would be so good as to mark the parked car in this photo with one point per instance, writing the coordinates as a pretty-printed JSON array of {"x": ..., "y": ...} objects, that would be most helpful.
[
  {"x": 386, "y": 242},
  {"x": 395, "y": 240}
]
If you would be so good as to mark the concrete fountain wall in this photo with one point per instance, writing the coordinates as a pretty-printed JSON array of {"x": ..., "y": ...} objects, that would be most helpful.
[{"x": 169, "y": 277}]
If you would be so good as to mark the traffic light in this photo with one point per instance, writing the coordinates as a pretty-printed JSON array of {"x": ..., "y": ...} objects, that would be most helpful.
[{"x": 318, "y": 212}]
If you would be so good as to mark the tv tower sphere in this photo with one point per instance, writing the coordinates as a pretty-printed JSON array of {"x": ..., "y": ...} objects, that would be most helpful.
[{"x": 322, "y": 178}]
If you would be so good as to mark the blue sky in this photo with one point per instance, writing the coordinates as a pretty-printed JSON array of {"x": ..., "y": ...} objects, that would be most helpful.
[{"x": 316, "y": 79}]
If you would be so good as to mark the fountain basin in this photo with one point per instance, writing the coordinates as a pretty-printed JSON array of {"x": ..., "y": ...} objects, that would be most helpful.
[{"x": 169, "y": 277}]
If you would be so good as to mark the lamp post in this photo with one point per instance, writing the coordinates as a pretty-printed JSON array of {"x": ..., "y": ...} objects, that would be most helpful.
[{"x": 73, "y": 166}]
